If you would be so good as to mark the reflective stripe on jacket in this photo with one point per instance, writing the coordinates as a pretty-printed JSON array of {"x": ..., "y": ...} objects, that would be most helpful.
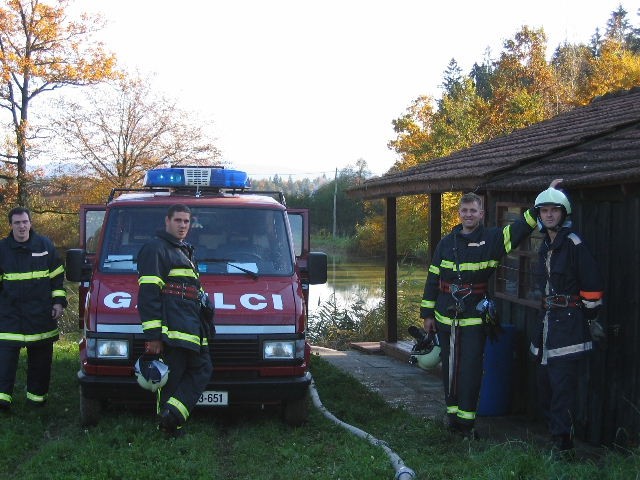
[
  {"x": 170, "y": 318},
  {"x": 479, "y": 255},
  {"x": 31, "y": 282}
]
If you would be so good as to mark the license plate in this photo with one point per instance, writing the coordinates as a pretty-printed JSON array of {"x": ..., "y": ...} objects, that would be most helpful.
[{"x": 214, "y": 398}]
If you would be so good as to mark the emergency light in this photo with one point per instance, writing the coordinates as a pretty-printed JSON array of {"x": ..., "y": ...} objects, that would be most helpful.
[{"x": 196, "y": 177}]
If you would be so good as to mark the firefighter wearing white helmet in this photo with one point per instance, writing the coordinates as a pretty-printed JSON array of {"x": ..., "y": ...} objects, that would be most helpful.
[
  {"x": 552, "y": 197},
  {"x": 572, "y": 295}
]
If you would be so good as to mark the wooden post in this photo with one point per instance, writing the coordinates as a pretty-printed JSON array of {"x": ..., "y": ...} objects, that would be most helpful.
[
  {"x": 435, "y": 222},
  {"x": 391, "y": 272}
]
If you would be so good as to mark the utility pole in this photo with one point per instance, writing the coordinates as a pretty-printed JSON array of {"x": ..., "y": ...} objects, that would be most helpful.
[{"x": 335, "y": 195}]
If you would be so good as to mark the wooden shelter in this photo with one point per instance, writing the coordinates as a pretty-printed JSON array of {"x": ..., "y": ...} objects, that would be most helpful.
[{"x": 596, "y": 150}]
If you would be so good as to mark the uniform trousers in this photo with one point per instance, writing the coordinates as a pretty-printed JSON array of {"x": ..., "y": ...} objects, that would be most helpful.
[
  {"x": 189, "y": 374},
  {"x": 39, "y": 357},
  {"x": 462, "y": 397},
  {"x": 557, "y": 387}
]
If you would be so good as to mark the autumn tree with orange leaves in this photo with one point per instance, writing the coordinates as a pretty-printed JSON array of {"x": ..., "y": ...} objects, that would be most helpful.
[{"x": 41, "y": 50}]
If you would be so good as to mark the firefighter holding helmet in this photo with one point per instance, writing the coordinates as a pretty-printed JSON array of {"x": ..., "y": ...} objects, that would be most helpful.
[
  {"x": 572, "y": 291},
  {"x": 456, "y": 304},
  {"x": 170, "y": 303}
]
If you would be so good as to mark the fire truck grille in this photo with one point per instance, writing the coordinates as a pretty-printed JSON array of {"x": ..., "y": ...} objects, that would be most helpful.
[
  {"x": 227, "y": 352},
  {"x": 235, "y": 352}
]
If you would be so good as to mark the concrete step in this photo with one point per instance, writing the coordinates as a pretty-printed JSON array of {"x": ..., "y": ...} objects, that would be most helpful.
[{"x": 372, "y": 348}]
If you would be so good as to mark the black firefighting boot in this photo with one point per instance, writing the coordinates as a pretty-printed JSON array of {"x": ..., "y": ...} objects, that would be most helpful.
[
  {"x": 563, "y": 447},
  {"x": 465, "y": 430},
  {"x": 169, "y": 424}
]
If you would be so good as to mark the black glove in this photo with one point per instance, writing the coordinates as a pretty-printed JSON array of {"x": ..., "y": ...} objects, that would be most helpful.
[
  {"x": 597, "y": 331},
  {"x": 206, "y": 314}
]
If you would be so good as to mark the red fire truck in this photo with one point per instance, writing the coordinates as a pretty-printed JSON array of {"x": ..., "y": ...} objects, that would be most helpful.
[{"x": 254, "y": 262}]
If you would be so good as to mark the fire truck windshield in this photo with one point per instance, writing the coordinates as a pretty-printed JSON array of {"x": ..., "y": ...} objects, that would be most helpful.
[{"x": 231, "y": 241}]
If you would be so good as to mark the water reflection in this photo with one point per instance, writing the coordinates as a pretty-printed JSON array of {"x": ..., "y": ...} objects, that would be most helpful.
[{"x": 359, "y": 280}]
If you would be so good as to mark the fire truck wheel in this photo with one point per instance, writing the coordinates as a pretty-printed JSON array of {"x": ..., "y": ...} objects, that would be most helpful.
[
  {"x": 90, "y": 409},
  {"x": 296, "y": 412}
]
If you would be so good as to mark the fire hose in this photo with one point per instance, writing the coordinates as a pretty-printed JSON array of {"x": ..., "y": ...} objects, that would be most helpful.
[{"x": 402, "y": 471}]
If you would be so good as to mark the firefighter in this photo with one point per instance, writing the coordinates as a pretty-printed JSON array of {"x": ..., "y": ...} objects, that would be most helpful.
[
  {"x": 572, "y": 296},
  {"x": 170, "y": 302},
  {"x": 455, "y": 291},
  {"x": 32, "y": 299}
]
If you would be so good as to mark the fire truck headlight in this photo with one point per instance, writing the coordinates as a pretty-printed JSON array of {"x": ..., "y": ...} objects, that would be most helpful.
[
  {"x": 279, "y": 350},
  {"x": 108, "y": 349}
]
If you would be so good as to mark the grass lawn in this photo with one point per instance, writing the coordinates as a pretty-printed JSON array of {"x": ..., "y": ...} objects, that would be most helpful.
[{"x": 253, "y": 444}]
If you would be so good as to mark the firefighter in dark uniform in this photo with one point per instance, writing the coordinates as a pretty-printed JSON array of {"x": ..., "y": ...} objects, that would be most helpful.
[
  {"x": 169, "y": 302},
  {"x": 572, "y": 295},
  {"x": 32, "y": 299},
  {"x": 456, "y": 286}
]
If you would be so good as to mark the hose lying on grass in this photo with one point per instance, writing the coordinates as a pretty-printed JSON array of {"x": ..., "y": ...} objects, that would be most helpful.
[{"x": 402, "y": 471}]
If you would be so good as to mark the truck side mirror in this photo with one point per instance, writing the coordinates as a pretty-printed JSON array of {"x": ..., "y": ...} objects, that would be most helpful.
[
  {"x": 317, "y": 268},
  {"x": 76, "y": 267}
]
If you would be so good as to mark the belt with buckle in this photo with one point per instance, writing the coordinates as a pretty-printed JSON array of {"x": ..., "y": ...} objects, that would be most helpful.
[
  {"x": 560, "y": 301},
  {"x": 182, "y": 290},
  {"x": 473, "y": 288}
]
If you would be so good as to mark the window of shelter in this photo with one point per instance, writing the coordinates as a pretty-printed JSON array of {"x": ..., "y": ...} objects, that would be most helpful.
[{"x": 515, "y": 278}]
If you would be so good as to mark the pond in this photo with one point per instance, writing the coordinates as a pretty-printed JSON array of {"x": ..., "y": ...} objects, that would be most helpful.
[{"x": 355, "y": 280}]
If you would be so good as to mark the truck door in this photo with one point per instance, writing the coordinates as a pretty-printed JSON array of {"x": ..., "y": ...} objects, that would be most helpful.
[
  {"x": 91, "y": 220},
  {"x": 299, "y": 223}
]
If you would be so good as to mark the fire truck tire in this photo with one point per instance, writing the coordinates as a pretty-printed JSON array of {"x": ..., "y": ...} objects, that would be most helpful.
[
  {"x": 90, "y": 410},
  {"x": 296, "y": 412}
]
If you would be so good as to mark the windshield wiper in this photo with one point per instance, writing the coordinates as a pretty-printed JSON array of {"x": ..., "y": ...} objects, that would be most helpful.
[
  {"x": 115, "y": 260},
  {"x": 229, "y": 262}
]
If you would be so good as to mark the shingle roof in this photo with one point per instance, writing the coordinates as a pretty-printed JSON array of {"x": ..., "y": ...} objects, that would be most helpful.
[{"x": 588, "y": 146}]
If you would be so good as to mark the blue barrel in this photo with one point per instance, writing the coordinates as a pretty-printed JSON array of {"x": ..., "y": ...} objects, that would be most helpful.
[{"x": 497, "y": 380}]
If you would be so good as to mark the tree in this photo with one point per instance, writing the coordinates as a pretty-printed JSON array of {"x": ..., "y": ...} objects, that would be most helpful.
[
  {"x": 523, "y": 84},
  {"x": 481, "y": 76},
  {"x": 460, "y": 119},
  {"x": 42, "y": 51},
  {"x": 616, "y": 68},
  {"x": 616, "y": 63},
  {"x": 619, "y": 29},
  {"x": 124, "y": 129},
  {"x": 413, "y": 131},
  {"x": 452, "y": 78},
  {"x": 572, "y": 65}
]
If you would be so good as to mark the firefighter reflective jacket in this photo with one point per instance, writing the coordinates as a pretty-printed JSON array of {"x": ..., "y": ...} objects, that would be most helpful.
[
  {"x": 32, "y": 277},
  {"x": 569, "y": 277},
  {"x": 468, "y": 260},
  {"x": 168, "y": 295}
]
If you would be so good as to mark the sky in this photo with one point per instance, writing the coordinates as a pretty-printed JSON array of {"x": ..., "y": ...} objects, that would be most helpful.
[{"x": 299, "y": 88}]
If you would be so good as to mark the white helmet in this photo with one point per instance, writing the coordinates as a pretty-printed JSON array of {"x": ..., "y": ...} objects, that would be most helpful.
[
  {"x": 151, "y": 374},
  {"x": 427, "y": 360},
  {"x": 555, "y": 198},
  {"x": 426, "y": 351}
]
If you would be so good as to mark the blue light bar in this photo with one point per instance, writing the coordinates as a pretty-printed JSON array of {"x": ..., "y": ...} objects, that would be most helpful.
[
  {"x": 197, "y": 177},
  {"x": 165, "y": 177}
]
